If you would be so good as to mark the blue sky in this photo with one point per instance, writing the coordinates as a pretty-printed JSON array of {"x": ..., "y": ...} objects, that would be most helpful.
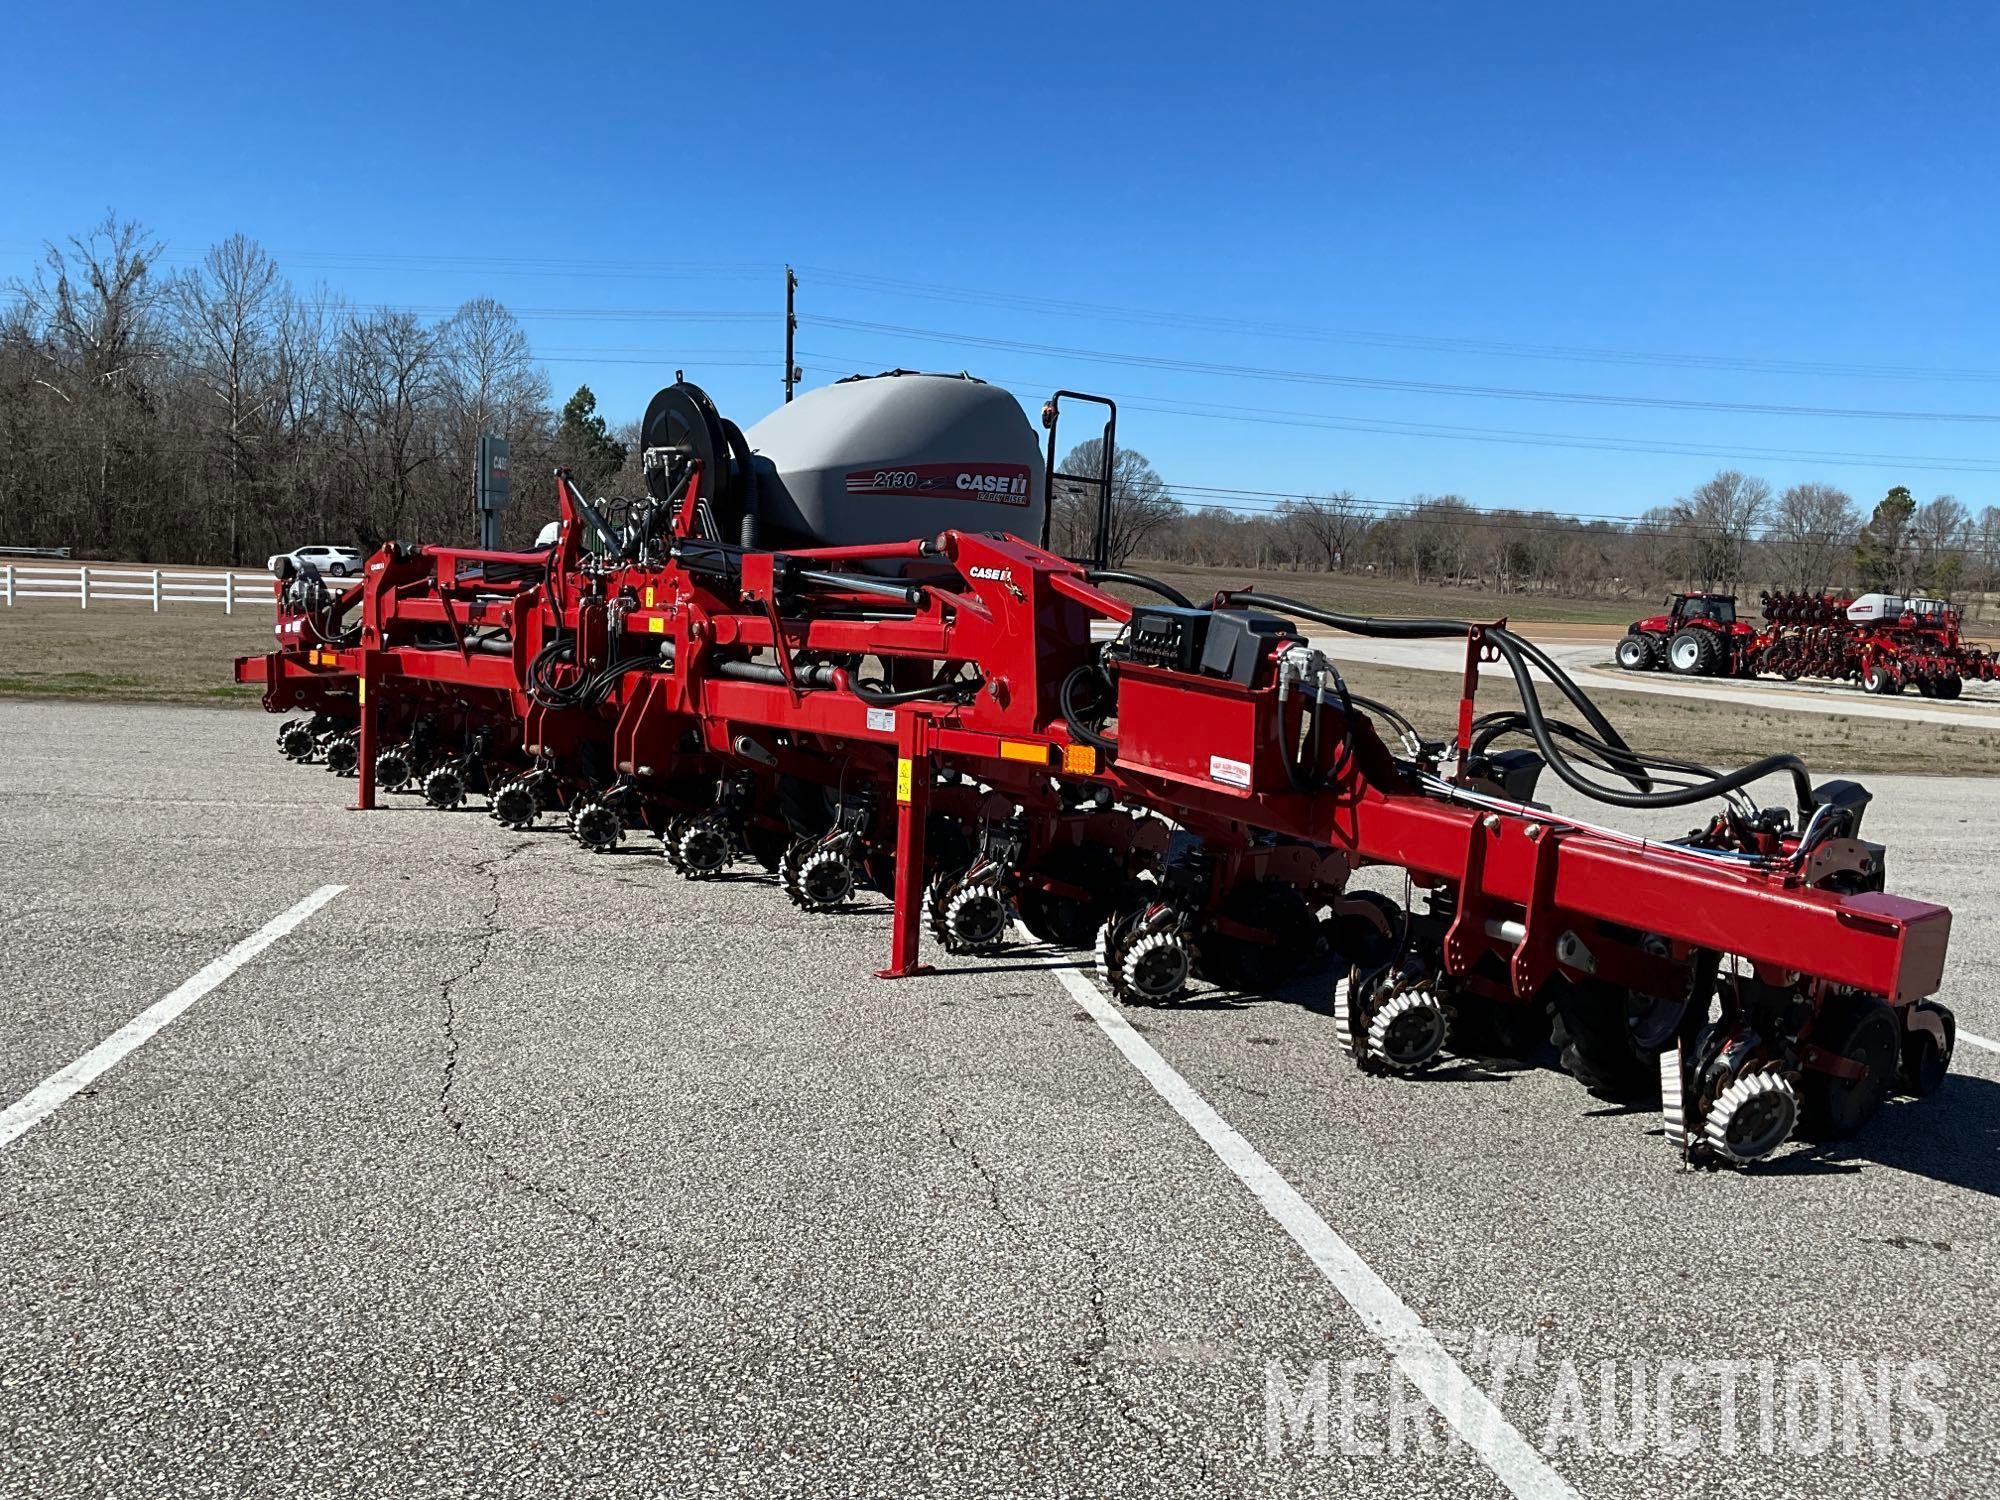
[{"x": 1702, "y": 206}]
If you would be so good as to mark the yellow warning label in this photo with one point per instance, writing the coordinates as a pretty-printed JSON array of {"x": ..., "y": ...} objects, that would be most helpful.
[
  {"x": 649, "y": 596},
  {"x": 657, "y": 624},
  {"x": 361, "y": 687},
  {"x": 904, "y": 772}
]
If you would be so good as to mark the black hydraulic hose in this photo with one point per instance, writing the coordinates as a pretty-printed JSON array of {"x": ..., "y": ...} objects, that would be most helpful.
[
  {"x": 1545, "y": 741},
  {"x": 1518, "y": 654},
  {"x": 1489, "y": 727},
  {"x": 1594, "y": 751},
  {"x": 541, "y": 684},
  {"x": 710, "y": 559},
  {"x": 1438, "y": 629},
  {"x": 1593, "y": 715},
  {"x": 1383, "y": 710},
  {"x": 957, "y": 687},
  {"x": 1139, "y": 581},
  {"x": 599, "y": 687},
  {"x": 1078, "y": 730}
]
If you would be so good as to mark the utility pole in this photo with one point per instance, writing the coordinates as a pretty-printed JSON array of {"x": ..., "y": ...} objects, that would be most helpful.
[{"x": 792, "y": 371}]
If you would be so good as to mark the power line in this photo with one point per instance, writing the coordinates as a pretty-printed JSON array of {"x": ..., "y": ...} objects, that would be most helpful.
[
  {"x": 542, "y": 314},
  {"x": 1274, "y": 416},
  {"x": 1384, "y": 383},
  {"x": 1368, "y": 338}
]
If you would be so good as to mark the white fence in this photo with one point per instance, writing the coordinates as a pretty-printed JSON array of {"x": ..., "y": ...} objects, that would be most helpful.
[{"x": 95, "y": 583}]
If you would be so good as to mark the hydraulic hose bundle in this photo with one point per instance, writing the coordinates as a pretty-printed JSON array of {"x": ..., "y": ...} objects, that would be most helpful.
[
  {"x": 1523, "y": 658},
  {"x": 546, "y": 682}
]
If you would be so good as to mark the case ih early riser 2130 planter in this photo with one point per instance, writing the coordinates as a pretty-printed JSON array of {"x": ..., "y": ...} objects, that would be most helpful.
[
  {"x": 1882, "y": 641},
  {"x": 832, "y": 646}
]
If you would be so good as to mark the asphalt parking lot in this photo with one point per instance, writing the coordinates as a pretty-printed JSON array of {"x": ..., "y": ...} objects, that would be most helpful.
[{"x": 514, "y": 1169}]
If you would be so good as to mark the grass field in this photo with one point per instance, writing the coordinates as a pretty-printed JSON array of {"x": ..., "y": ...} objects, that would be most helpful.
[{"x": 124, "y": 653}]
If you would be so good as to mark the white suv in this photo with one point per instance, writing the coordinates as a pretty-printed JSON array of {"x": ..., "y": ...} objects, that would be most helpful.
[{"x": 334, "y": 562}]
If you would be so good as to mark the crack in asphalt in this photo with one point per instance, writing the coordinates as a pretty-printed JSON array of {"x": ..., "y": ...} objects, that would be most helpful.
[
  {"x": 551, "y": 1193},
  {"x": 1093, "y": 1355},
  {"x": 489, "y": 930}
]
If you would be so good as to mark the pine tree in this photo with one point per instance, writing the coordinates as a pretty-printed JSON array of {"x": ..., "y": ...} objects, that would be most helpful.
[
  {"x": 585, "y": 443},
  {"x": 1879, "y": 551}
]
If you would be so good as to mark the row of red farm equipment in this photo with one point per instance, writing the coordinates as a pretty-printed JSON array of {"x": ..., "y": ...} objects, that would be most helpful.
[
  {"x": 1884, "y": 642},
  {"x": 832, "y": 647}
]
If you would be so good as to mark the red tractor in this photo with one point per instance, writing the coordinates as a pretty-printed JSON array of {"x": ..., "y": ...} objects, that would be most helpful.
[{"x": 1698, "y": 636}]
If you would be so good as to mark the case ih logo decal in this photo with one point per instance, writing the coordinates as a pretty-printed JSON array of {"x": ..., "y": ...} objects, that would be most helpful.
[{"x": 1001, "y": 484}]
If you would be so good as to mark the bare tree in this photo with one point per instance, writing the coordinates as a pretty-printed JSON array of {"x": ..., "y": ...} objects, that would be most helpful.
[
  {"x": 94, "y": 311},
  {"x": 98, "y": 304},
  {"x": 1141, "y": 506},
  {"x": 1812, "y": 533},
  {"x": 1332, "y": 523},
  {"x": 1939, "y": 533},
  {"x": 1717, "y": 520},
  {"x": 386, "y": 385},
  {"x": 227, "y": 313},
  {"x": 1440, "y": 533},
  {"x": 1986, "y": 545},
  {"x": 490, "y": 376}
]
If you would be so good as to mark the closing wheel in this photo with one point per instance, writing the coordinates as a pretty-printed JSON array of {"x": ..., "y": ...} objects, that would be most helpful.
[
  {"x": 516, "y": 804},
  {"x": 970, "y": 912},
  {"x": 1155, "y": 966},
  {"x": 818, "y": 873},
  {"x": 296, "y": 742},
  {"x": 699, "y": 848},
  {"x": 1389, "y": 1021},
  {"x": 1145, "y": 957},
  {"x": 596, "y": 825},
  {"x": 1407, "y": 1032},
  {"x": 1635, "y": 653},
  {"x": 343, "y": 754},
  {"x": 1863, "y": 1030},
  {"x": 1346, "y": 1007},
  {"x": 444, "y": 788},
  {"x": 1751, "y": 1118},
  {"x": 394, "y": 767}
]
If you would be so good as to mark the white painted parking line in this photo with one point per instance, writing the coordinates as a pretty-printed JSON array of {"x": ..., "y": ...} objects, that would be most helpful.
[
  {"x": 1981, "y": 1042},
  {"x": 1416, "y": 1351},
  {"x": 59, "y": 1088}
]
